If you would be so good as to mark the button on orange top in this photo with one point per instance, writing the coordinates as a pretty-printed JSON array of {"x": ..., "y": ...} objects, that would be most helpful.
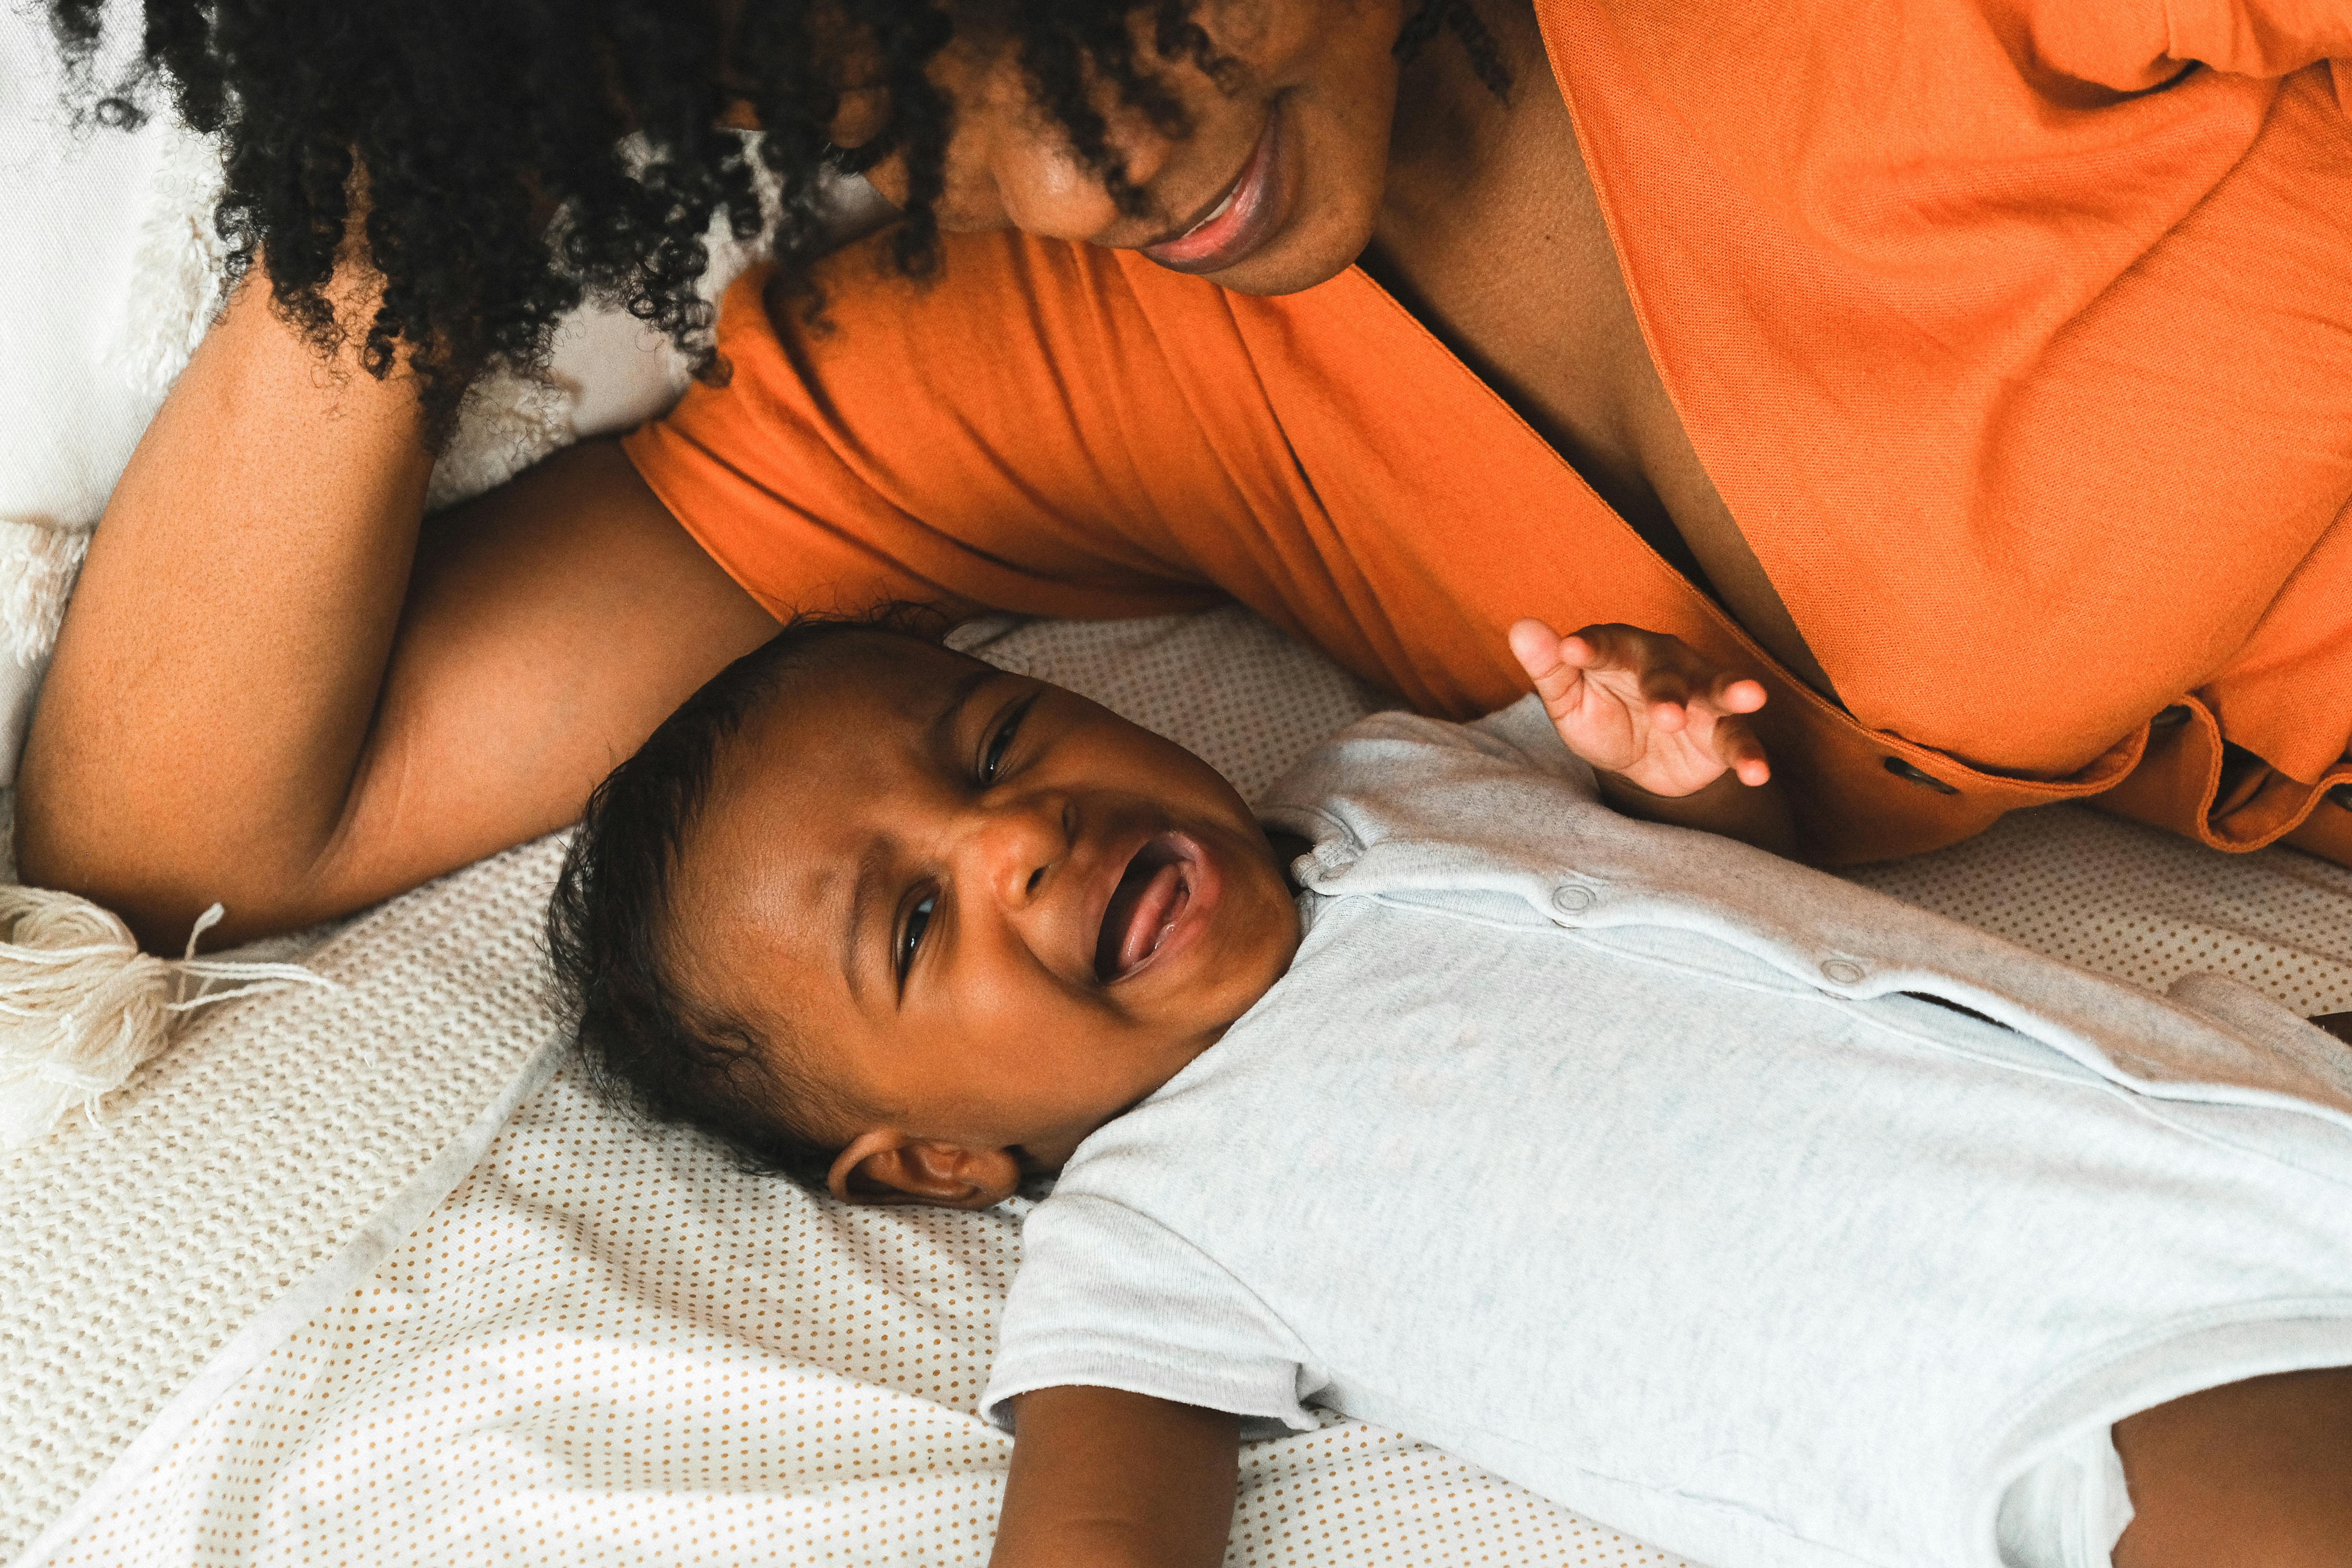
[{"x": 2017, "y": 337}]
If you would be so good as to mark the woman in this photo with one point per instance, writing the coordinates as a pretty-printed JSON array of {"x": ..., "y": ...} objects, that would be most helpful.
[{"x": 1980, "y": 375}]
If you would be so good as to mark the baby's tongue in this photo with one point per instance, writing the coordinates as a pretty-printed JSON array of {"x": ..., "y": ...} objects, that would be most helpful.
[{"x": 1146, "y": 901}]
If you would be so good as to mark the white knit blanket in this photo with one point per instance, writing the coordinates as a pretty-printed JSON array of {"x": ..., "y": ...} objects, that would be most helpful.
[{"x": 249, "y": 1335}]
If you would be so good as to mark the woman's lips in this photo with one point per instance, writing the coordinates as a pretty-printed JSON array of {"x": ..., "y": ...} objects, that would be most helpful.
[
  {"x": 1162, "y": 896},
  {"x": 1241, "y": 221}
]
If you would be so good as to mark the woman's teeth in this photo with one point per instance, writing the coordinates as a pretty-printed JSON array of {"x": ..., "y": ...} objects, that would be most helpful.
[{"x": 1220, "y": 210}]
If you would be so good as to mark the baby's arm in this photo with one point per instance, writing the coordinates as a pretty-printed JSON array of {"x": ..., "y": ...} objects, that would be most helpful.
[
  {"x": 1666, "y": 732},
  {"x": 1104, "y": 1478}
]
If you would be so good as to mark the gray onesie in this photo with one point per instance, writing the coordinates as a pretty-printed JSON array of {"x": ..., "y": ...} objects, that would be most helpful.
[{"x": 1615, "y": 1158}]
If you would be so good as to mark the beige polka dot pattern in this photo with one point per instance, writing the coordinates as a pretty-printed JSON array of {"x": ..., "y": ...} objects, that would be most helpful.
[
  {"x": 240, "y": 1161},
  {"x": 2144, "y": 906},
  {"x": 611, "y": 1347}
]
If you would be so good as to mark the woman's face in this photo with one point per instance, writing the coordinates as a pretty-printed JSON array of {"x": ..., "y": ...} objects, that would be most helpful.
[{"x": 1274, "y": 189}]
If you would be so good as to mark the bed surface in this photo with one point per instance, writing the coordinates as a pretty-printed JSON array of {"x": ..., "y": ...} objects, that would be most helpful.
[{"x": 607, "y": 1346}]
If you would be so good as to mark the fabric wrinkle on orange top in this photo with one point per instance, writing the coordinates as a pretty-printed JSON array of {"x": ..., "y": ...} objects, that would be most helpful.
[{"x": 2016, "y": 336}]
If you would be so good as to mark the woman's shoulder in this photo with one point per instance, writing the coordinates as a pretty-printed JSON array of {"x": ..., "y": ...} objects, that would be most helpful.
[
  {"x": 986, "y": 293},
  {"x": 1029, "y": 427}
]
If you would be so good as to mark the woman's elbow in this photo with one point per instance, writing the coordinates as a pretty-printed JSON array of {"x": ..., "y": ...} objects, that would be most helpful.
[{"x": 157, "y": 877}]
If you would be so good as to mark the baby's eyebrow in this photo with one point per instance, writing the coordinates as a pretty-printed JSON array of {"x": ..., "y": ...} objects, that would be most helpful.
[
  {"x": 958, "y": 694},
  {"x": 865, "y": 887},
  {"x": 863, "y": 890}
]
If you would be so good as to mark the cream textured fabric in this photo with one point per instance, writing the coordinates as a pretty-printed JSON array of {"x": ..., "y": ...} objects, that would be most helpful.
[
  {"x": 612, "y": 1348},
  {"x": 237, "y": 1168}
]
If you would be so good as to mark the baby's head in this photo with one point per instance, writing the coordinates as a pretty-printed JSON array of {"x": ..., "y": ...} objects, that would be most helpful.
[{"x": 904, "y": 925}]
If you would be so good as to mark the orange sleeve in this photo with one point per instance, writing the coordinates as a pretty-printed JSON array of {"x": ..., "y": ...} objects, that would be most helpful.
[
  {"x": 2261, "y": 38},
  {"x": 2134, "y": 45},
  {"x": 1004, "y": 437}
]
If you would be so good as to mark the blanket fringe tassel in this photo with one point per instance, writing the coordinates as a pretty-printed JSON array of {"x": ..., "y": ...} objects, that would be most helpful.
[{"x": 81, "y": 1007}]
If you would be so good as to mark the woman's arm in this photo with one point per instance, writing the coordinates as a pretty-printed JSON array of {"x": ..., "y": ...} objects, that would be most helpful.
[
  {"x": 275, "y": 688},
  {"x": 1104, "y": 1478}
]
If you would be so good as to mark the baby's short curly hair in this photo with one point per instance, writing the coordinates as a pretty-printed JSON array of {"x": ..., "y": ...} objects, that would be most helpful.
[{"x": 649, "y": 1042}]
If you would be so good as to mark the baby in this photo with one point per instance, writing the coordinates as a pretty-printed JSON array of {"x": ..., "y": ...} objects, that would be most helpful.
[{"x": 1760, "y": 1215}]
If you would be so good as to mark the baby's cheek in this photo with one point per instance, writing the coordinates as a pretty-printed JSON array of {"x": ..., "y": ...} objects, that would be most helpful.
[
  {"x": 1261, "y": 933},
  {"x": 1032, "y": 1026}
]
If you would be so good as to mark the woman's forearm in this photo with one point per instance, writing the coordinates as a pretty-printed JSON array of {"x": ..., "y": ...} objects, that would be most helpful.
[
  {"x": 276, "y": 689},
  {"x": 217, "y": 671}
]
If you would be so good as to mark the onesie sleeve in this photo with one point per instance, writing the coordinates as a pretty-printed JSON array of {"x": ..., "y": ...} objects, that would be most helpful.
[{"x": 1108, "y": 1298}]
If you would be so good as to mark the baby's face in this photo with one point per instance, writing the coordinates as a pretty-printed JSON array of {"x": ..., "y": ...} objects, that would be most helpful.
[{"x": 990, "y": 914}]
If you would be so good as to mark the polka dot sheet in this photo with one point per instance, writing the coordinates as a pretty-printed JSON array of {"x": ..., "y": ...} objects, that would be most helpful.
[
  {"x": 2144, "y": 906},
  {"x": 610, "y": 1347},
  {"x": 262, "y": 1157}
]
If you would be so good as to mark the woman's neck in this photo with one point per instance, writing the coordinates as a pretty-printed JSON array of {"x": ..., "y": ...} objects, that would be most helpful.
[{"x": 1492, "y": 232}]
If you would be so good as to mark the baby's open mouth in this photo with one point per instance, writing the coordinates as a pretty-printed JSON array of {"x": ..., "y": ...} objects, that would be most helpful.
[{"x": 1150, "y": 897}]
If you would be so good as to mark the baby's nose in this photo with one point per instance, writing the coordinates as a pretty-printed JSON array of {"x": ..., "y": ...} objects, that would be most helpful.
[{"x": 1022, "y": 844}]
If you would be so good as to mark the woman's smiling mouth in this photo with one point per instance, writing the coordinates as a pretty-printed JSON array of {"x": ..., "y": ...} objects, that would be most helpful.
[
  {"x": 1239, "y": 223},
  {"x": 1161, "y": 897}
]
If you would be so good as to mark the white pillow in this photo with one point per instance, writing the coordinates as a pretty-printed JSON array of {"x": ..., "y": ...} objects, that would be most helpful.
[{"x": 76, "y": 197}]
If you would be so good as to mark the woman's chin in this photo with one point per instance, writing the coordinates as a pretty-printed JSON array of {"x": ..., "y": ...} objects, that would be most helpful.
[
  {"x": 1309, "y": 250},
  {"x": 1267, "y": 278},
  {"x": 1334, "y": 189}
]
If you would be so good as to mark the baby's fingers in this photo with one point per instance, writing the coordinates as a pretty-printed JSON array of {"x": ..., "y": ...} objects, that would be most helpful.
[
  {"x": 1648, "y": 672},
  {"x": 1545, "y": 656},
  {"x": 1537, "y": 647},
  {"x": 1737, "y": 747},
  {"x": 1608, "y": 645},
  {"x": 1736, "y": 693},
  {"x": 1727, "y": 697},
  {"x": 1667, "y": 691}
]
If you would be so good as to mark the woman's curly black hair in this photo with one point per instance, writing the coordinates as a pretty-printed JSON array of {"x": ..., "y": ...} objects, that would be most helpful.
[{"x": 521, "y": 155}]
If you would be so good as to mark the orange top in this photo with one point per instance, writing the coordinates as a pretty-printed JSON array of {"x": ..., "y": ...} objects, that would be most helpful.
[{"x": 2020, "y": 349}]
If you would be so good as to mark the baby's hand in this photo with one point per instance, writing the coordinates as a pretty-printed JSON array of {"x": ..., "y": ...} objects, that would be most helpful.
[{"x": 1643, "y": 706}]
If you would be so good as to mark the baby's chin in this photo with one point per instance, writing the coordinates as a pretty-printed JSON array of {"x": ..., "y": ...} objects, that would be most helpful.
[{"x": 1255, "y": 932}]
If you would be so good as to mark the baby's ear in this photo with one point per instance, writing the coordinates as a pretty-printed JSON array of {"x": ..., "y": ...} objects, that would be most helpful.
[{"x": 886, "y": 1166}]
